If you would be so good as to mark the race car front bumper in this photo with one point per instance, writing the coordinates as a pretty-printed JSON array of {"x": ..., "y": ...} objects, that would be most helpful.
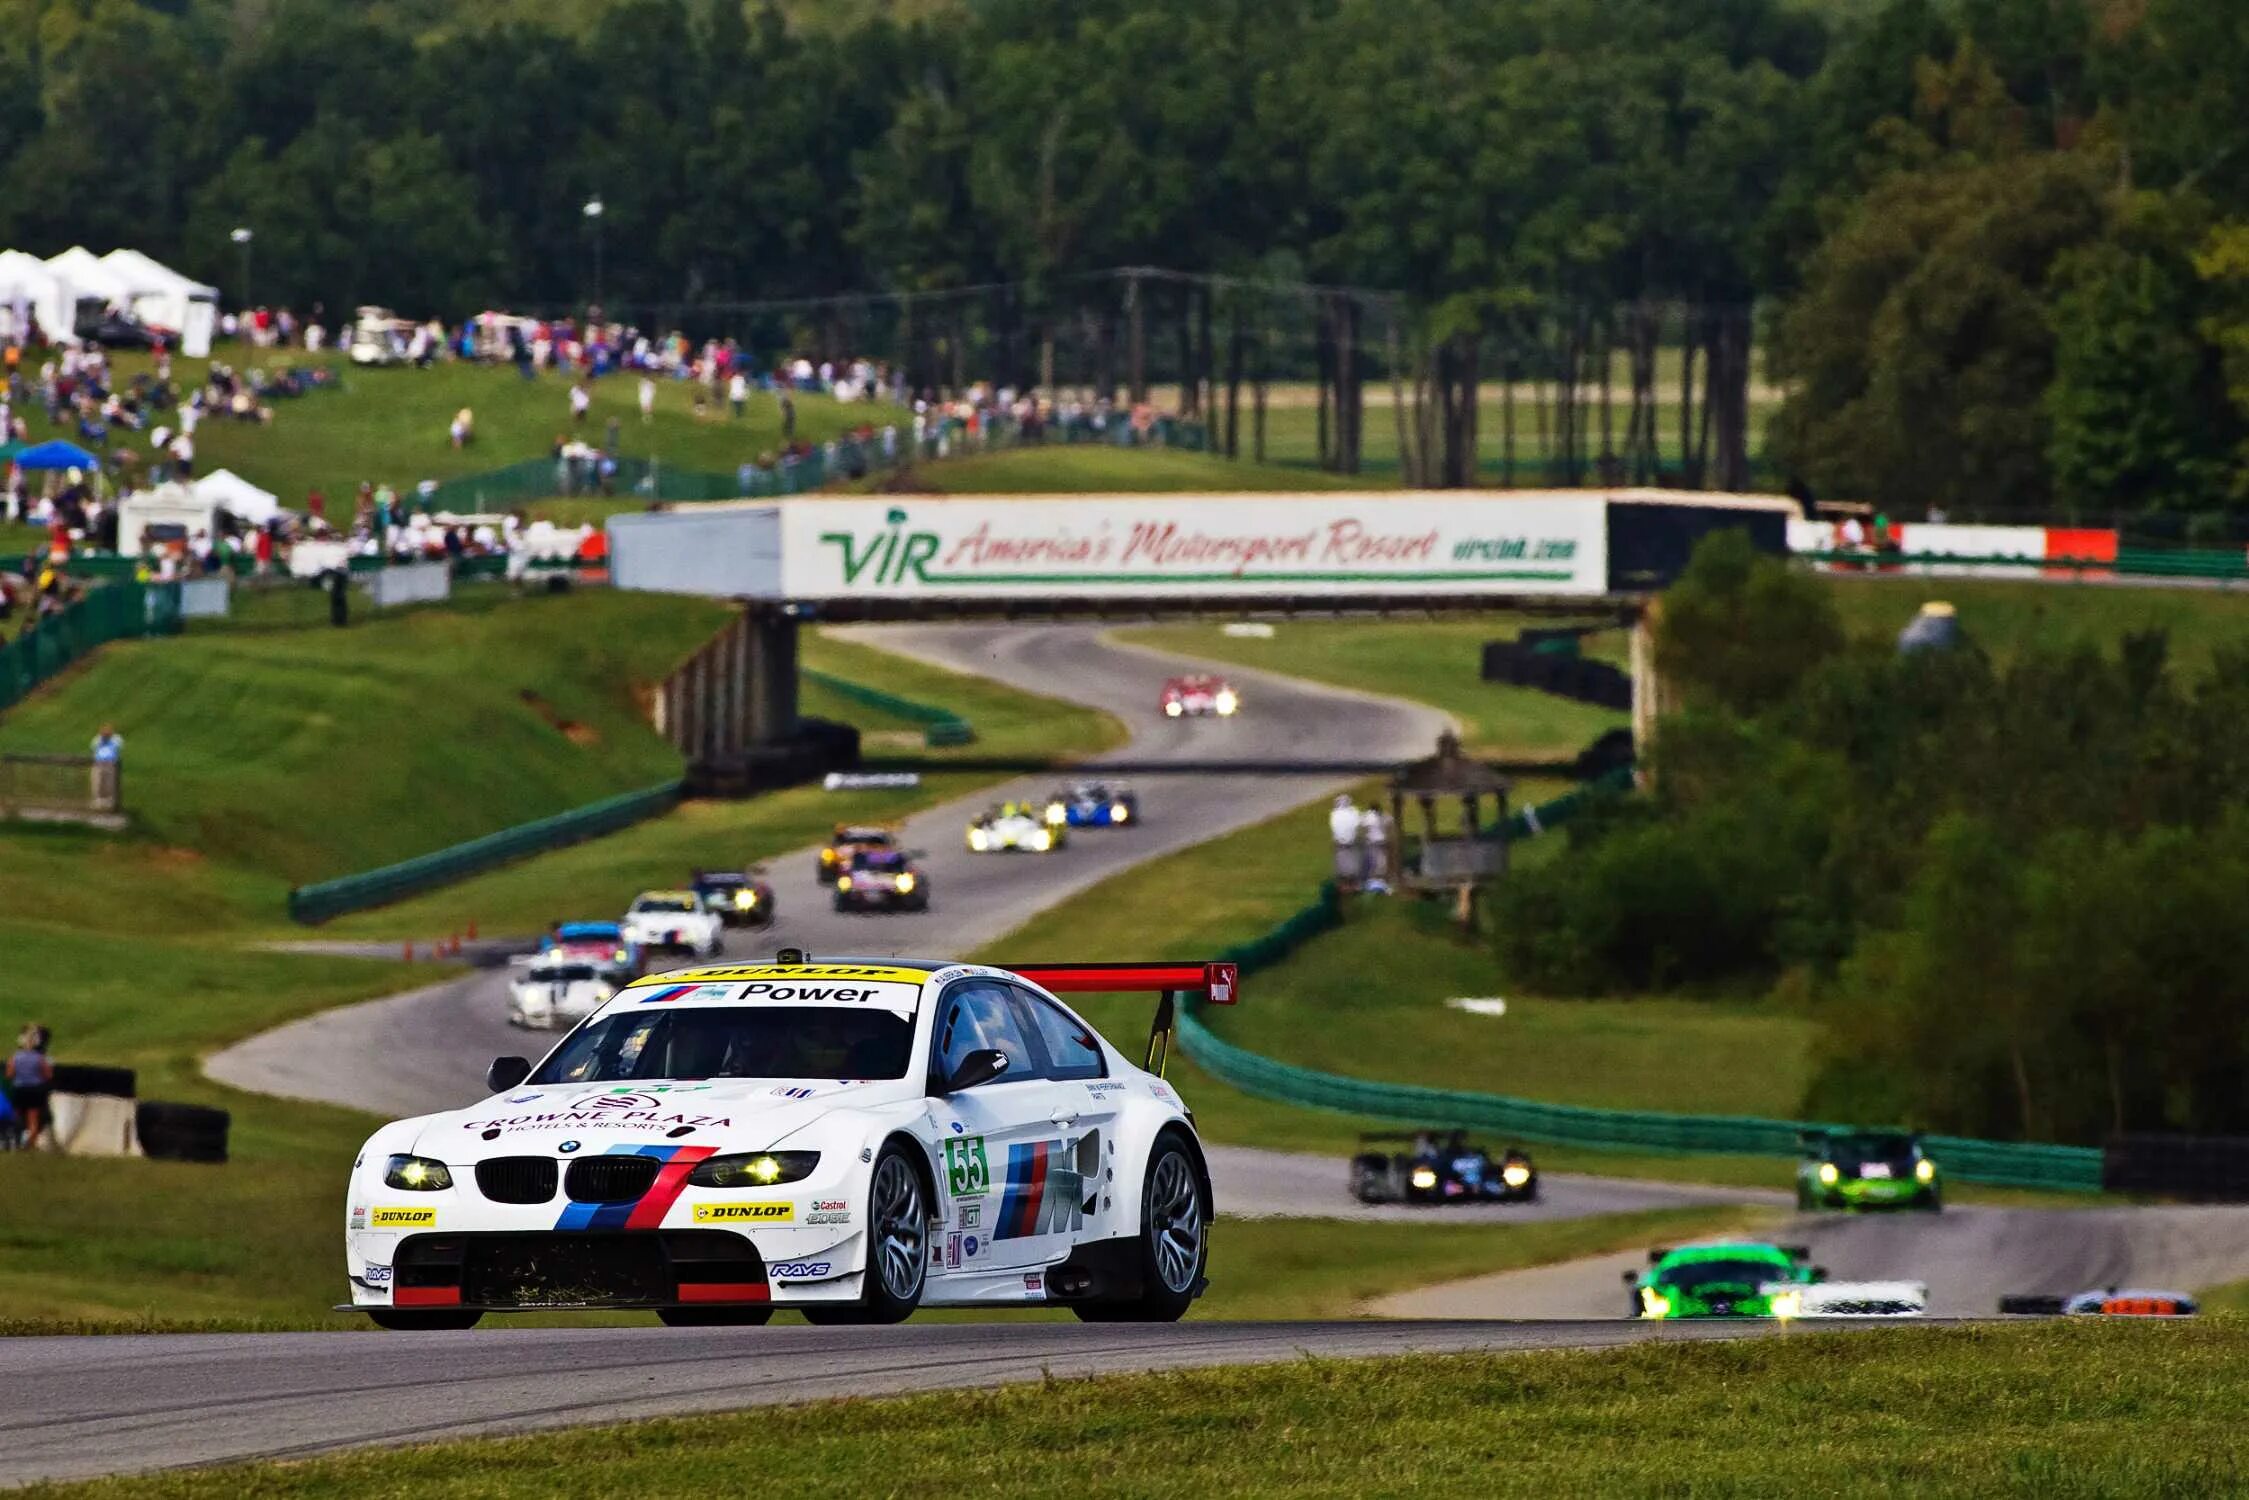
[
  {"x": 1876, "y": 1194},
  {"x": 554, "y": 1270}
]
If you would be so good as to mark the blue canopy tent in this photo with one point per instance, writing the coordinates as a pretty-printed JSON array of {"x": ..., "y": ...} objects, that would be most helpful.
[{"x": 56, "y": 455}]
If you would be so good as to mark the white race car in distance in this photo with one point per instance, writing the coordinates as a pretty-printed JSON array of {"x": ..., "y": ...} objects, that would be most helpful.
[
  {"x": 852, "y": 1138},
  {"x": 675, "y": 922},
  {"x": 558, "y": 988}
]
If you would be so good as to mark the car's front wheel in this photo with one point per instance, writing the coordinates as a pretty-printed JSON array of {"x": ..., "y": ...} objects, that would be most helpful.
[
  {"x": 409, "y": 1320},
  {"x": 1174, "y": 1241},
  {"x": 897, "y": 1246},
  {"x": 714, "y": 1317}
]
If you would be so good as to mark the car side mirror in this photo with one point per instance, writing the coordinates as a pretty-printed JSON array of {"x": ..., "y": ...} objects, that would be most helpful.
[
  {"x": 978, "y": 1067},
  {"x": 506, "y": 1072}
]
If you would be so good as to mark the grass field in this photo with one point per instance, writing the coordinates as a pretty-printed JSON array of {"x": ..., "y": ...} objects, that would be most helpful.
[
  {"x": 2041, "y": 1409},
  {"x": 1433, "y": 661},
  {"x": 313, "y": 753},
  {"x": 392, "y": 425},
  {"x": 2004, "y": 617},
  {"x": 1092, "y": 468}
]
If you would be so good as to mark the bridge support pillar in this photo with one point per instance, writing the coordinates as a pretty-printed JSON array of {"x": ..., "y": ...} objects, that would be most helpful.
[
  {"x": 1647, "y": 683},
  {"x": 731, "y": 711},
  {"x": 768, "y": 677}
]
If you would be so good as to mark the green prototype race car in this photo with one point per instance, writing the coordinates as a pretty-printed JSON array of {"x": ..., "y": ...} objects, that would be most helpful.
[
  {"x": 1866, "y": 1169},
  {"x": 1733, "y": 1279}
]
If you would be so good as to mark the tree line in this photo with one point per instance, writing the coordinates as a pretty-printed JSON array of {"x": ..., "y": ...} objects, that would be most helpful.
[
  {"x": 1996, "y": 252},
  {"x": 2001, "y": 886}
]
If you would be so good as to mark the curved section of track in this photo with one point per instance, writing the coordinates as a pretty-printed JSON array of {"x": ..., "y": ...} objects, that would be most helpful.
[
  {"x": 87, "y": 1406},
  {"x": 427, "y": 1050}
]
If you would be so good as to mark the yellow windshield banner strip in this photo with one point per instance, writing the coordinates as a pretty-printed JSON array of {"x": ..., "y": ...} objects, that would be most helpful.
[{"x": 734, "y": 973}]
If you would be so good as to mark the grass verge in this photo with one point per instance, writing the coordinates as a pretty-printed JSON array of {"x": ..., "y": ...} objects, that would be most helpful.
[
  {"x": 2004, "y": 617},
  {"x": 2047, "y": 1409}
]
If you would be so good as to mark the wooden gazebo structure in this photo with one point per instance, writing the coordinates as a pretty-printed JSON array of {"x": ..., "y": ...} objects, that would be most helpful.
[{"x": 1454, "y": 864}]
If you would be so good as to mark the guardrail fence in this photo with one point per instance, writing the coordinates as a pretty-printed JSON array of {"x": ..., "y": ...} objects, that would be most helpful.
[
  {"x": 332, "y": 898},
  {"x": 941, "y": 727},
  {"x": 1999, "y": 1163},
  {"x": 112, "y": 612}
]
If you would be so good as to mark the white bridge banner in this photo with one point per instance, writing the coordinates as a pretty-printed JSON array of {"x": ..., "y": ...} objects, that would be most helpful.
[{"x": 1176, "y": 546}]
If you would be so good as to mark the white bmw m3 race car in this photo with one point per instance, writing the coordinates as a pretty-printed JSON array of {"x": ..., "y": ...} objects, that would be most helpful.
[{"x": 853, "y": 1138}]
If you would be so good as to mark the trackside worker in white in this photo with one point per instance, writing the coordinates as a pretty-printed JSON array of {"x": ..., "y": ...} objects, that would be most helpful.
[{"x": 1343, "y": 828}]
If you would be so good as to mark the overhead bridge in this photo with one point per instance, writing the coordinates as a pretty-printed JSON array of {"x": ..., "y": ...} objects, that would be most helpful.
[{"x": 733, "y": 710}]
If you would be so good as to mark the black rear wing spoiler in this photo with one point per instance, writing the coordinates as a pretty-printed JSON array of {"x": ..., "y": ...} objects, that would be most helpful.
[{"x": 1215, "y": 982}]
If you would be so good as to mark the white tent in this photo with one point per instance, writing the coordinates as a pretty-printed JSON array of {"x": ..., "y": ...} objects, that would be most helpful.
[
  {"x": 88, "y": 280},
  {"x": 163, "y": 298},
  {"x": 238, "y": 496},
  {"x": 26, "y": 282}
]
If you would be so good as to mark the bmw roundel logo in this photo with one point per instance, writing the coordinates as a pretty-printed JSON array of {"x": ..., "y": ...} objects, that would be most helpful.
[{"x": 567, "y": 1147}]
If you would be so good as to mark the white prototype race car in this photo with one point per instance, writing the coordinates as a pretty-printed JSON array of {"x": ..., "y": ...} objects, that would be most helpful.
[
  {"x": 853, "y": 1138},
  {"x": 675, "y": 922},
  {"x": 559, "y": 988},
  {"x": 1014, "y": 827}
]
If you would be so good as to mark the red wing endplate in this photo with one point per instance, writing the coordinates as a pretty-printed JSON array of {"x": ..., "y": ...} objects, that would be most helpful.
[{"x": 1218, "y": 983}]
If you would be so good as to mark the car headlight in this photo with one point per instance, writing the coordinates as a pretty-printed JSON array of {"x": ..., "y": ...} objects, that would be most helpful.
[
  {"x": 1042, "y": 840},
  {"x": 1514, "y": 1174},
  {"x": 1654, "y": 1304},
  {"x": 744, "y": 899},
  {"x": 827, "y": 856},
  {"x": 1786, "y": 1304},
  {"x": 1424, "y": 1177},
  {"x": 623, "y": 956},
  {"x": 843, "y": 882},
  {"x": 753, "y": 1169},
  {"x": 979, "y": 840},
  {"x": 1172, "y": 708},
  {"x": 417, "y": 1174},
  {"x": 1056, "y": 812},
  {"x": 1925, "y": 1169},
  {"x": 1119, "y": 813},
  {"x": 1227, "y": 703},
  {"x": 1829, "y": 1176},
  {"x": 905, "y": 884}
]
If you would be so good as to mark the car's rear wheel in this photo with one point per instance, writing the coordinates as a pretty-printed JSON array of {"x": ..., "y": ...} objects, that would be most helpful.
[
  {"x": 714, "y": 1317},
  {"x": 1174, "y": 1241},
  {"x": 409, "y": 1320},
  {"x": 897, "y": 1246}
]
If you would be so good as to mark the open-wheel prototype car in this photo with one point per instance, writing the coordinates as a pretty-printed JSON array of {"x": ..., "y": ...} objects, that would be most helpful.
[
  {"x": 1014, "y": 827},
  {"x": 742, "y": 898},
  {"x": 1441, "y": 1168},
  {"x": 851, "y": 1138},
  {"x": 1094, "y": 804},
  {"x": 1866, "y": 1169},
  {"x": 848, "y": 839},
  {"x": 882, "y": 880},
  {"x": 1753, "y": 1279},
  {"x": 1200, "y": 695}
]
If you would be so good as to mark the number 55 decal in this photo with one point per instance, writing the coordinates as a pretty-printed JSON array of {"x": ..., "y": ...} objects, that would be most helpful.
[{"x": 968, "y": 1174}]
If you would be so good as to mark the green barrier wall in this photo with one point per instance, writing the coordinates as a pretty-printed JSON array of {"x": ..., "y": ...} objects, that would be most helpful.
[
  {"x": 2000, "y": 1163},
  {"x": 332, "y": 898},
  {"x": 940, "y": 726},
  {"x": 111, "y": 612}
]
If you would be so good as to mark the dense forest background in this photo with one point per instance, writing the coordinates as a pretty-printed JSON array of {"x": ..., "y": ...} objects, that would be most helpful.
[{"x": 1993, "y": 253}]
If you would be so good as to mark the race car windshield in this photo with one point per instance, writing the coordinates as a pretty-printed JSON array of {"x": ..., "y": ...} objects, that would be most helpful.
[
  {"x": 765, "y": 1041},
  {"x": 664, "y": 903},
  {"x": 1850, "y": 1151},
  {"x": 1721, "y": 1273},
  {"x": 563, "y": 974},
  {"x": 879, "y": 859}
]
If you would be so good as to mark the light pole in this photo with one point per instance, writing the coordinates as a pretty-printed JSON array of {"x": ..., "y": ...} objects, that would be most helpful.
[
  {"x": 242, "y": 237},
  {"x": 593, "y": 219}
]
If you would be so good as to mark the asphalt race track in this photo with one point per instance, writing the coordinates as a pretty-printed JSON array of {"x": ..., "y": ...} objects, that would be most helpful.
[
  {"x": 1969, "y": 1257},
  {"x": 85, "y": 1406},
  {"x": 428, "y": 1050}
]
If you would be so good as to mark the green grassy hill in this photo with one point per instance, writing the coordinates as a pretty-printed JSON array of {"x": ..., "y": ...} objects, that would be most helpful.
[{"x": 392, "y": 425}]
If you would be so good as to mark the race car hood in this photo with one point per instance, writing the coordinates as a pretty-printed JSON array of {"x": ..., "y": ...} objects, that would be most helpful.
[{"x": 731, "y": 1114}]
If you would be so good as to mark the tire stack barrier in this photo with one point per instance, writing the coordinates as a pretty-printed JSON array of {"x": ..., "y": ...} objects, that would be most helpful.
[
  {"x": 1565, "y": 674},
  {"x": 183, "y": 1132}
]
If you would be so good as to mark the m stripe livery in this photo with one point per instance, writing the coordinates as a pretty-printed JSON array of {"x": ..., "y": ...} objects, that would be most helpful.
[{"x": 647, "y": 1212}]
